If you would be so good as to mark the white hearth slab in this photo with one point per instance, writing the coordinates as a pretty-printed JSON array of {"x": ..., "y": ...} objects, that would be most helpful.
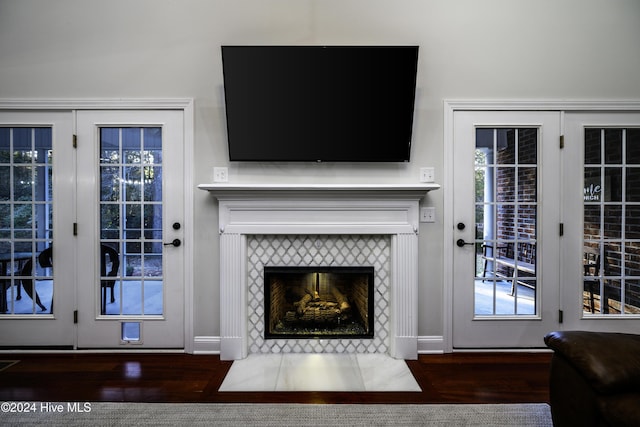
[
  {"x": 383, "y": 373},
  {"x": 319, "y": 372}
]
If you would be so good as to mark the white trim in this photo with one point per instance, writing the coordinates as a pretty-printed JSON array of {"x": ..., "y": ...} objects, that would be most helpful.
[
  {"x": 450, "y": 106},
  {"x": 447, "y": 223},
  {"x": 96, "y": 351},
  {"x": 188, "y": 224},
  {"x": 184, "y": 104},
  {"x": 431, "y": 344},
  {"x": 206, "y": 345},
  {"x": 97, "y": 104},
  {"x": 426, "y": 345},
  {"x": 420, "y": 189}
]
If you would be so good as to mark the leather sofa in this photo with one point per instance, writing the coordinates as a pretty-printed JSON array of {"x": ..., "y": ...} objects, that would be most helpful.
[{"x": 594, "y": 378}]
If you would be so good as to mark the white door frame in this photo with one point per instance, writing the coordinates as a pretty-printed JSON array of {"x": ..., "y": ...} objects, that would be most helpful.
[
  {"x": 450, "y": 107},
  {"x": 186, "y": 105}
]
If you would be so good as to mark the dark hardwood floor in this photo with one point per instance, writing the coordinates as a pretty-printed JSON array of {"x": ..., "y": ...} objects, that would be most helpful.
[{"x": 447, "y": 378}]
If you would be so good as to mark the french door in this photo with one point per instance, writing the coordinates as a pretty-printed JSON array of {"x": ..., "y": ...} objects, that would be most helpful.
[
  {"x": 91, "y": 251},
  {"x": 601, "y": 247},
  {"x": 130, "y": 229},
  {"x": 506, "y": 212},
  {"x": 36, "y": 200}
]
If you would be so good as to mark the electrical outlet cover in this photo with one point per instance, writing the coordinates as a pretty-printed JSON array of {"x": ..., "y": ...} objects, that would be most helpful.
[{"x": 220, "y": 174}]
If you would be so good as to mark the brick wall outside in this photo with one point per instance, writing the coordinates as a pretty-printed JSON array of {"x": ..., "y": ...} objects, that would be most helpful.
[
  {"x": 517, "y": 221},
  {"x": 605, "y": 212}
]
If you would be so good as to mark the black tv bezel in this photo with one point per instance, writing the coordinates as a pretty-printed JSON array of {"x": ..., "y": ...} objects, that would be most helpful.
[{"x": 403, "y": 158}]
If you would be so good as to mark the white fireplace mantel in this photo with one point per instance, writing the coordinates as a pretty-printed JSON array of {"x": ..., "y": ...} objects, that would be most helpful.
[
  {"x": 222, "y": 188},
  {"x": 313, "y": 209}
]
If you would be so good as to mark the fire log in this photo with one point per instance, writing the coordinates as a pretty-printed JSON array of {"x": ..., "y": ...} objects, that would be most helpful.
[
  {"x": 302, "y": 304},
  {"x": 342, "y": 300},
  {"x": 318, "y": 315}
]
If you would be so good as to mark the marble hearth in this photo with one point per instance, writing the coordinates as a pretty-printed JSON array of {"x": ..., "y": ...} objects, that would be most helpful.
[{"x": 312, "y": 225}]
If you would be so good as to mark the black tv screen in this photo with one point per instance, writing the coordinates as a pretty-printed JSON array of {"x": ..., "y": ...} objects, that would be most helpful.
[{"x": 319, "y": 103}]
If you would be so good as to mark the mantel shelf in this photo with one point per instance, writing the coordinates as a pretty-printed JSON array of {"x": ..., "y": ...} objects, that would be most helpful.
[{"x": 363, "y": 189}]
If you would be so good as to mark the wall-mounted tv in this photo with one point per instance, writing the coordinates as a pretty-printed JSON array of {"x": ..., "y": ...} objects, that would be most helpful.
[{"x": 319, "y": 103}]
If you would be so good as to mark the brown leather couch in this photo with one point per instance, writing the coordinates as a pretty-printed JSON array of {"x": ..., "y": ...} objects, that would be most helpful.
[{"x": 594, "y": 379}]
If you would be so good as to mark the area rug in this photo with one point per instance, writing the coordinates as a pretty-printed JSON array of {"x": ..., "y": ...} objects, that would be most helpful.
[{"x": 231, "y": 414}]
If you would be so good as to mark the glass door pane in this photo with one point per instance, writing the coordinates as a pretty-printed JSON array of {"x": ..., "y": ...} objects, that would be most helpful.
[
  {"x": 131, "y": 281},
  {"x": 26, "y": 220},
  {"x": 611, "y": 231},
  {"x": 506, "y": 206}
]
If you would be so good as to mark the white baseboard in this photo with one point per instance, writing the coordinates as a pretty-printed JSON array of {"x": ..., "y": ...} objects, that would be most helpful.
[
  {"x": 206, "y": 345},
  {"x": 431, "y": 344}
]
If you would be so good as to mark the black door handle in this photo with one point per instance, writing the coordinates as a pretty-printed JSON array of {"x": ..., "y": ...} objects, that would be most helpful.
[
  {"x": 175, "y": 242},
  {"x": 461, "y": 243}
]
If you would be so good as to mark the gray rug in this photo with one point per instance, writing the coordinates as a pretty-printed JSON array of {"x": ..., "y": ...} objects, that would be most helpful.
[{"x": 230, "y": 414}]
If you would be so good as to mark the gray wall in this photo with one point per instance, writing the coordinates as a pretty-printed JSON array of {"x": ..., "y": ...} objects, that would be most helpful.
[{"x": 469, "y": 49}]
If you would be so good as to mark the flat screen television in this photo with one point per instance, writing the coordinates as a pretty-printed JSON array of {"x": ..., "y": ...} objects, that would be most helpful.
[{"x": 319, "y": 103}]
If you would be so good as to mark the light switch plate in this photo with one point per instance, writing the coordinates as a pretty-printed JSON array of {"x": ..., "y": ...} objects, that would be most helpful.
[
  {"x": 428, "y": 214},
  {"x": 427, "y": 175}
]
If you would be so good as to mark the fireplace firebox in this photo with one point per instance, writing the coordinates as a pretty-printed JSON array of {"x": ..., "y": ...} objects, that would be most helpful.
[{"x": 319, "y": 302}]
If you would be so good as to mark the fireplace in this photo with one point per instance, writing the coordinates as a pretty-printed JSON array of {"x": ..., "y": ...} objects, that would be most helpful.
[
  {"x": 318, "y": 252},
  {"x": 319, "y": 302},
  {"x": 257, "y": 223}
]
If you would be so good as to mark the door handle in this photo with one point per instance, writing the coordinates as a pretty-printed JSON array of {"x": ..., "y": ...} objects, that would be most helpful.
[
  {"x": 175, "y": 242},
  {"x": 461, "y": 243}
]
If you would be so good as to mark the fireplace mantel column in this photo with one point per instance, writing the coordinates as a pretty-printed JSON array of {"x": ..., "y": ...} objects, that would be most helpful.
[
  {"x": 233, "y": 290},
  {"x": 404, "y": 296}
]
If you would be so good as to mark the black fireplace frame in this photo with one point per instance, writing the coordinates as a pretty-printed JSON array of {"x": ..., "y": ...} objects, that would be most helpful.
[{"x": 368, "y": 271}]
